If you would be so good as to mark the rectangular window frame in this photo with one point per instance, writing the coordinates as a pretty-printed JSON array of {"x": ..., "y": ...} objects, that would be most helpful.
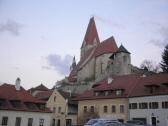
[
  {"x": 18, "y": 121},
  {"x": 30, "y": 122},
  {"x": 41, "y": 122},
  {"x": 4, "y": 121},
  {"x": 122, "y": 108}
]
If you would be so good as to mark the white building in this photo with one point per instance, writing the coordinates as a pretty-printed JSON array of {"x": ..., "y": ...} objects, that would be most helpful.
[
  {"x": 19, "y": 108},
  {"x": 149, "y": 100}
]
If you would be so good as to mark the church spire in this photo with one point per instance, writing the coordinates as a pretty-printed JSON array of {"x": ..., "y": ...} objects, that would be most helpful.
[
  {"x": 73, "y": 64},
  {"x": 91, "y": 34}
]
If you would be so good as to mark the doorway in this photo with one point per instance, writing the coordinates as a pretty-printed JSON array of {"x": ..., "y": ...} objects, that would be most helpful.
[
  {"x": 68, "y": 122},
  {"x": 154, "y": 121}
]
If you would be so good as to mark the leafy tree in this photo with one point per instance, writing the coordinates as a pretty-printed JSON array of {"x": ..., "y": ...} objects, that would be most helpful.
[
  {"x": 164, "y": 62},
  {"x": 150, "y": 66}
]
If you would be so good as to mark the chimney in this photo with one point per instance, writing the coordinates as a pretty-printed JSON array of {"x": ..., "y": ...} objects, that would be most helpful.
[{"x": 17, "y": 84}]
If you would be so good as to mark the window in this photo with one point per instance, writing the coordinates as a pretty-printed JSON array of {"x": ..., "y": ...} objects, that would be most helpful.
[
  {"x": 119, "y": 92},
  {"x": 92, "y": 109},
  {"x": 143, "y": 105},
  {"x": 121, "y": 108},
  {"x": 59, "y": 109},
  {"x": 4, "y": 121},
  {"x": 153, "y": 105},
  {"x": 105, "y": 109},
  {"x": 54, "y": 98},
  {"x": 113, "y": 109},
  {"x": 133, "y": 106},
  {"x": 54, "y": 109},
  {"x": 165, "y": 104},
  {"x": 16, "y": 104},
  {"x": 18, "y": 121},
  {"x": 96, "y": 93},
  {"x": 41, "y": 123},
  {"x": 85, "y": 109},
  {"x": 30, "y": 121},
  {"x": 53, "y": 122}
]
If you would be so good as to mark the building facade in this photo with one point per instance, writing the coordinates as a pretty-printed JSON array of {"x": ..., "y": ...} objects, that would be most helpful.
[
  {"x": 149, "y": 100},
  {"x": 19, "y": 108},
  {"x": 63, "y": 107}
]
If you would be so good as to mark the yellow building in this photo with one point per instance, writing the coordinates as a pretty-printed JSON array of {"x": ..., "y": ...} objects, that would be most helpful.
[
  {"x": 63, "y": 107},
  {"x": 108, "y": 99}
]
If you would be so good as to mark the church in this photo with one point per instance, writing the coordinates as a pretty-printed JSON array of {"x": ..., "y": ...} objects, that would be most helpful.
[{"x": 98, "y": 59}]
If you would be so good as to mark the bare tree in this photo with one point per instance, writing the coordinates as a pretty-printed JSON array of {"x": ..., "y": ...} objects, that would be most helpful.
[{"x": 150, "y": 66}]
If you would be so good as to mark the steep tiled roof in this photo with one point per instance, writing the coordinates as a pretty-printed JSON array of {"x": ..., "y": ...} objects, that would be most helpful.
[
  {"x": 8, "y": 93},
  {"x": 144, "y": 84},
  {"x": 132, "y": 85},
  {"x": 91, "y": 33},
  {"x": 40, "y": 87},
  {"x": 125, "y": 82},
  {"x": 122, "y": 49},
  {"x": 107, "y": 46},
  {"x": 44, "y": 95}
]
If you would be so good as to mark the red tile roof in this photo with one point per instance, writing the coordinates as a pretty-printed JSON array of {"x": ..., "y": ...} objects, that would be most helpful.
[
  {"x": 9, "y": 93},
  {"x": 91, "y": 33},
  {"x": 44, "y": 95},
  {"x": 144, "y": 83},
  {"x": 40, "y": 87},
  {"x": 107, "y": 46},
  {"x": 133, "y": 86}
]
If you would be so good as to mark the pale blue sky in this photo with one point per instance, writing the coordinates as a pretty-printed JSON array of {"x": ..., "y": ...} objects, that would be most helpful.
[{"x": 39, "y": 37}]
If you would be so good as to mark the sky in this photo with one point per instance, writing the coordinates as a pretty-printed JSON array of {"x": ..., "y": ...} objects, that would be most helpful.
[{"x": 38, "y": 38}]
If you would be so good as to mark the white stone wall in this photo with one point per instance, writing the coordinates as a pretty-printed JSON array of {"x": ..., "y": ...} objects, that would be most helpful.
[
  {"x": 24, "y": 117},
  {"x": 87, "y": 71},
  {"x": 160, "y": 114},
  {"x": 101, "y": 63},
  {"x": 121, "y": 64}
]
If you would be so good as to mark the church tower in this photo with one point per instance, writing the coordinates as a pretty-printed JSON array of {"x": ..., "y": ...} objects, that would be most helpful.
[
  {"x": 91, "y": 38},
  {"x": 120, "y": 62}
]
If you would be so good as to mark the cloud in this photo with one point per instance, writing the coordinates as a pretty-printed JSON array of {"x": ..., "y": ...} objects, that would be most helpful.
[
  {"x": 11, "y": 27},
  {"x": 109, "y": 22},
  {"x": 58, "y": 63},
  {"x": 163, "y": 41}
]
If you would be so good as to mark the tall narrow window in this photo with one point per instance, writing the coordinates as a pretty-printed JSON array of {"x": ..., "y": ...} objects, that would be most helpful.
[
  {"x": 30, "y": 121},
  {"x": 41, "y": 123},
  {"x": 4, "y": 121},
  {"x": 54, "y": 109},
  {"x": 105, "y": 109},
  {"x": 85, "y": 109},
  {"x": 18, "y": 121},
  {"x": 113, "y": 109},
  {"x": 122, "y": 109},
  {"x": 59, "y": 109},
  {"x": 92, "y": 109},
  {"x": 101, "y": 68},
  {"x": 54, "y": 98}
]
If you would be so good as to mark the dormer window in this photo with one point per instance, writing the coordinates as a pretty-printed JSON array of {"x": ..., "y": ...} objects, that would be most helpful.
[
  {"x": 96, "y": 93},
  {"x": 152, "y": 87},
  {"x": 16, "y": 104},
  {"x": 2, "y": 102},
  {"x": 119, "y": 92},
  {"x": 165, "y": 84}
]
